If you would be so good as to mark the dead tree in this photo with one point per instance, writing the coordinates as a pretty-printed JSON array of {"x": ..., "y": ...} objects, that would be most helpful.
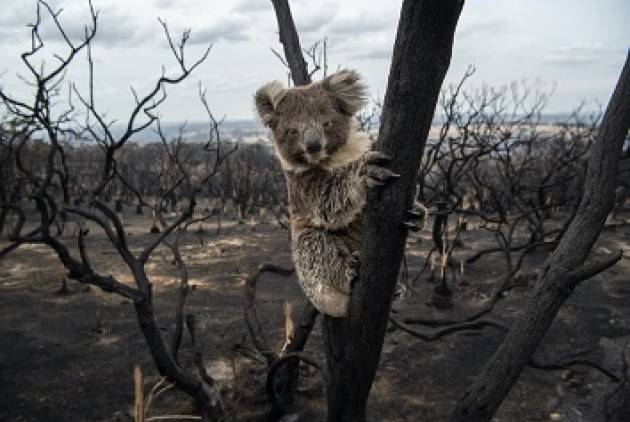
[
  {"x": 421, "y": 57},
  {"x": 564, "y": 270},
  {"x": 291, "y": 43},
  {"x": 353, "y": 344},
  {"x": 47, "y": 189},
  {"x": 285, "y": 367},
  {"x": 493, "y": 165}
]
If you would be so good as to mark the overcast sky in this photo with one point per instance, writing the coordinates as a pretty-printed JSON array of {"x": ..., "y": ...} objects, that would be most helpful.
[{"x": 579, "y": 45}]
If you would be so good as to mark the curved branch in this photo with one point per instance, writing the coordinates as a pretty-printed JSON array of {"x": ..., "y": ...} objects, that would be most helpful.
[{"x": 251, "y": 314}]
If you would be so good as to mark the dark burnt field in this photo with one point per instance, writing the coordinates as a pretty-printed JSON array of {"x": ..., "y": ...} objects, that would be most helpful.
[{"x": 67, "y": 355}]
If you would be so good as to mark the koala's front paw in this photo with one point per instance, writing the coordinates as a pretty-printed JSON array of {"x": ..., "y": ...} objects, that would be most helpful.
[
  {"x": 375, "y": 172},
  {"x": 416, "y": 217}
]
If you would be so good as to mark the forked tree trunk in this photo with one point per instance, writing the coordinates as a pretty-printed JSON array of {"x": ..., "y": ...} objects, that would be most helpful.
[
  {"x": 167, "y": 365},
  {"x": 421, "y": 57},
  {"x": 564, "y": 269}
]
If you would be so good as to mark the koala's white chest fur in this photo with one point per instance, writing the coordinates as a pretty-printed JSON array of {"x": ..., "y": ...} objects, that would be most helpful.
[
  {"x": 329, "y": 196},
  {"x": 326, "y": 207}
]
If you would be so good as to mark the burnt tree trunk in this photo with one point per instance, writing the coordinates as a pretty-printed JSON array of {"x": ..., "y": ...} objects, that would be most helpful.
[
  {"x": 421, "y": 57},
  {"x": 622, "y": 414},
  {"x": 167, "y": 364},
  {"x": 291, "y": 43},
  {"x": 564, "y": 269}
]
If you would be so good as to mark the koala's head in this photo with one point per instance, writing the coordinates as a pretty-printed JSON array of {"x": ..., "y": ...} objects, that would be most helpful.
[{"x": 311, "y": 123}]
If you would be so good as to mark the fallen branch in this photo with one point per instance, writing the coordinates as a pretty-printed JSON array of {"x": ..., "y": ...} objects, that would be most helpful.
[
  {"x": 477, "y": 255},
  {"x": 435, "y": 335}
]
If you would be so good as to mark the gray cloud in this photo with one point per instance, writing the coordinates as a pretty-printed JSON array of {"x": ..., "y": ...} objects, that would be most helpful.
[
  {"x": 13, "y": 20},
  {"x": 373, "y": 54},
  {"x": 253, "y": 6},
  {"x": 18, "y": 15},
  {"x": 231, "y": 28},
  {"x": 165, "y": 4},
  {"x": 368, "y": 48},
  {"x": 311, "y": 17},
  {"x": 477, "y": 29},
  {"x": 113, "y": 29},
  {"x": 361, "y": 24},
  {"x": 577, "y": 54},
  {"x": 362, "y": 35},
  {"x": 505, "y": 40}
]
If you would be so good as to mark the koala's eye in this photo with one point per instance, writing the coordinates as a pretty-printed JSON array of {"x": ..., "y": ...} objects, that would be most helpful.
[
  {"x": 292, "y": 131},
  {"x": 327, "y": 124}
]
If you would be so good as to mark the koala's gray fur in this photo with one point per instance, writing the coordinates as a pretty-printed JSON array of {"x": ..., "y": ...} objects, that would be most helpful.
[
  {"x": 328, "y": 168},
  {"x": 325, "y": 208}
]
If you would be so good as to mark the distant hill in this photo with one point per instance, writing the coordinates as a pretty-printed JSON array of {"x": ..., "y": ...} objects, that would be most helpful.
[
  {"x": 198, "y": 131},
  {"x": 250, "y": 129}
]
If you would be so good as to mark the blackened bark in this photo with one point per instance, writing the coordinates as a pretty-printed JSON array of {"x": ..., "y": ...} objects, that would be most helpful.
[
  {"x": 622, "y": 414},
  {"x": 303, "y": 328},
  {"x": 168, "y": 367},
  {"x": 421, "y": 57},
  {"x": 564, "y": 269},
  {"x": 299, "y": 73},
  {"x": 291, "y": 43}
]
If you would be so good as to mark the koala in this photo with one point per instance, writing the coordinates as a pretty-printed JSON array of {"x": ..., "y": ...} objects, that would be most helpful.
[{"x": 328, "y": 165}]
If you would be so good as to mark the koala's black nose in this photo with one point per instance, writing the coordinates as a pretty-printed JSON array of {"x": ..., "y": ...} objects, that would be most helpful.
[
  {"x": 312, "y": 141},
  {"x": 313, "y": 147}
]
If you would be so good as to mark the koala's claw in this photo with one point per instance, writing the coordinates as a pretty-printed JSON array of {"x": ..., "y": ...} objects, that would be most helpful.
[
  {"x": 413, "y": 226},
  {"x": 376, "y": 157},
  {"x": 377, "y": 175},
  {"x": 375, "y": 172},
  {"x": 416, "y": 217}
]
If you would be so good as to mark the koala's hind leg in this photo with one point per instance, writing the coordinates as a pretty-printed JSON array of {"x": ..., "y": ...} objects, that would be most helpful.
[{"x": 326, "y": 268}]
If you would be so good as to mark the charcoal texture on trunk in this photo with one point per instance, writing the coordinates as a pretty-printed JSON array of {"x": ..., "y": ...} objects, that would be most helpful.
[
  {"x": 291, "y": 43},
  {"x": 563, "y": 271},
  {"x": 421, "y": 57},
  {"x": 299, "y": 73}
]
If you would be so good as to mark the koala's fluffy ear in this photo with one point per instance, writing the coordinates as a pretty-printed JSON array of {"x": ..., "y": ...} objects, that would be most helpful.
[
  {"x": 347, "y": 89},
  {"x": 267, "y": 99}
]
